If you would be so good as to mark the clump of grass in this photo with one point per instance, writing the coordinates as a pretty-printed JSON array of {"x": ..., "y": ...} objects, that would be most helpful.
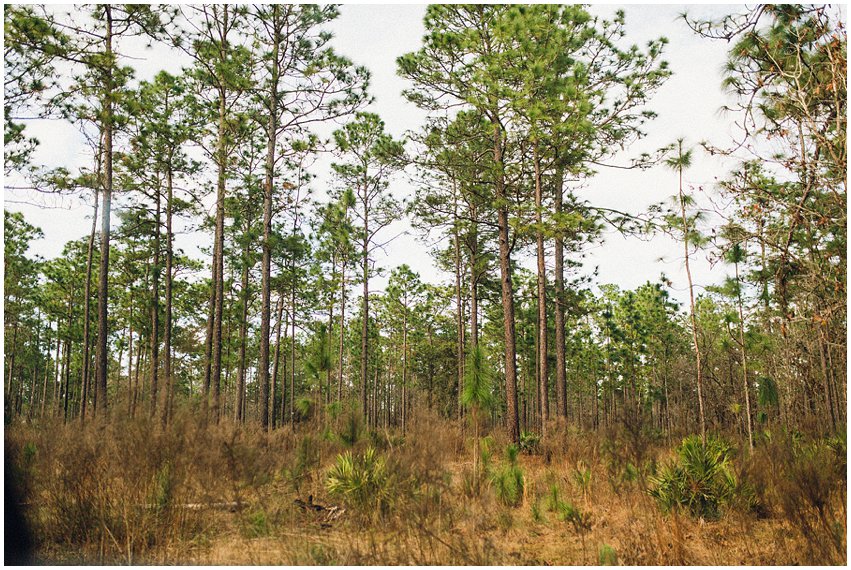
[
  {"x": 607, "y": 556},
  {"x": 257, "y": 525},
  {"x": 567, "y": 513},
  {"x": 808, "y": 494},
  {"x": 701, "y": 481},
  {"x": 507, "y": 480},
  {"x": 362, "y": 481},
  {"x": 582, "y": 478}
]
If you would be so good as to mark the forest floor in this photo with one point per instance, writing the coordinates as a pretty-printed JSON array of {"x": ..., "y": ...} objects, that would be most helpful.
[{"x": 130, "y": 492}]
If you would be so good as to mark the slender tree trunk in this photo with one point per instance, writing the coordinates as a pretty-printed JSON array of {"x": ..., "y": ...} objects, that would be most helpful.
[
  {"x": 284, "y": 377},
  {"x": 169, "y": 279},
  {"x": 265, "y": 286},
  {"x": 11, "y": 365},
  {"x": 292, "y": 355},
  {"x": 243, "y": 334},
  {"x": 405, "y": 369},
  {"x": 67, "y": 363},
  {"x": 47, "y": 369},
  {"x": 329, "y": 372},
  {"x": 543, "y": 367},
  {"x": 459, "y": 314},
  {"x": 155, "y": 308},
  {"x": 342, "y": 332},
  {"x": 219, "y": 273},
  {"x": 693, "y": 315},
  {"x": 561, "y": 357},
  {"x": 744, "y": 358},
  {"x": 364, "y": 366},
  {"x": 57, "y": 377},
  {"x": 218, "y": 257},
  {"x": 35, "y": 371},
  {"x": 507, "y": 294},
  {"x": 474, "y": 282},
  {"x": 211, "y": 317},
  {"x": 131, "y": 394},
  {"x": 103, "y": 281},
  {"x": 87, "y": 303},
  {"x": 274, "y": 379}
]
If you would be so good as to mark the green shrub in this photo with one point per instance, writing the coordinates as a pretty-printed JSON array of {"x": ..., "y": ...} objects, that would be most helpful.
[
  {"x": 257, "y": 525},
  {"x": 566, "y": 512},
  {"x": 352, "y": 429},
  {"x": 701, "y": 480},
  {"x": 306, "y": 458},
  {"x": 582, "y": 478},
  {"x": 362, "y": 480},
  {"x": 163, "y": 491},
  {"x": 530, "y": 442},
  {"x": 507, "y": 480},
  {"x": 304, "y": 407},
  {"x": 607, "y": 556}
]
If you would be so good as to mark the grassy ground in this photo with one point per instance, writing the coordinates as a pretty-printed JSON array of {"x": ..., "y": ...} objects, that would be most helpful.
[{"x": 129, "y": 492}]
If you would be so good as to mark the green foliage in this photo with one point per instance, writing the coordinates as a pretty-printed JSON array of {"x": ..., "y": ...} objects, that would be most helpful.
[
  {"x": 306, "y": 459},
  {"x": 478, "y": 381},
  {"x": 701, "y": 481},
  {"x": 257, "y": 525},
  {"x": 566, "y": 512},
  {"x": 486, "y": 452},
  {"x": 507, "y": 480},
  {"x": 362, "y": 481},
  {"x": 304, "y": 407},
  {"x": 582, "y": 477},
  {"x": 352, "y": 429},
  {"x": 606, "y": 556},
  {"x": 767, "y": 394},
  {"x": 530, "y": 442},
  {"x": 163, "y": 487}
]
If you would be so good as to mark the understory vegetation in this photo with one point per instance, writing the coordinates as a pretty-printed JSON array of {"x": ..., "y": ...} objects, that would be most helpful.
[{"x": 130, "y": 492}]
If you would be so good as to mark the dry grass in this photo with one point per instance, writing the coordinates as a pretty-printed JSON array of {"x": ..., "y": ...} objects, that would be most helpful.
[{"x": 130, "y": 492}]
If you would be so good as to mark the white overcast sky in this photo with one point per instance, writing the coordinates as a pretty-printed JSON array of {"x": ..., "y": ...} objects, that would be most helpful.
[{"x": 688, "y": 106}]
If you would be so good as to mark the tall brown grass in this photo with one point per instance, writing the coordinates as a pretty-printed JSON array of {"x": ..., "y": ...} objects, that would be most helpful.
[{"x": 129, "y": 491}]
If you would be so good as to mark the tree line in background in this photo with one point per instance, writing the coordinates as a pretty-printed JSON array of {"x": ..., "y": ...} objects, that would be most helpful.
[{"x": 279, "y": 324}]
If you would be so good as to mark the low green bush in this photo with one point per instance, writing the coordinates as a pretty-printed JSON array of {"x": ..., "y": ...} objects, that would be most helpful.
[
  {"x": 507, "y": 480},
  {"x": 700, "y": 481},
  {"x": 362, "y": 481}
]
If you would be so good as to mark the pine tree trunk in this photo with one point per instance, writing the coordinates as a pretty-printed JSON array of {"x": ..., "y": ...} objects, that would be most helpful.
[
  {"x": 543, "y": 368},
  {"x": 364, "y": 367},
  {"x": 155, "y": 310},
  {"x": 168, "y": 408},
  {"x": 292, "y": 355},
  {"x": 87, "y": 303},
  {"x": 218, "y": 259},
  {"x": 103, "y": 281},
  {"x": 67, "y": 371},
  {"x": 405, "y": 369},
  {"x": 507, "y": 294},
  {"x": 266, "y": 270},
  {"x": 274, "y": 379},
  {"x": 561, "y": 357},
  {"x": 243, "y": 332},
  {"x": 744, "y": 358},
  {"x": 459, "y": 315},
  {"x": 342, "y": 331},
  {"x": 693, "y": 315}
]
